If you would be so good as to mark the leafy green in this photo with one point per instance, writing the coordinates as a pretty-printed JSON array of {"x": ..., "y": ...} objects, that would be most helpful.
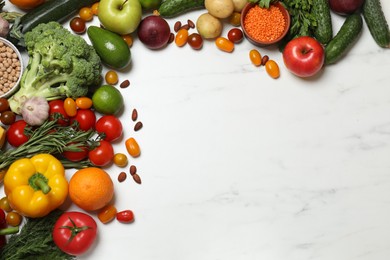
[
  {"x": 263, "y": 3},
  {"x": 35, "y": 242}
]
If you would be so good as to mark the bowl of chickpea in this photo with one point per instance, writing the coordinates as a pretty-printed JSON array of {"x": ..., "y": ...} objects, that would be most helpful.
[{"x": 11, "y": 68}]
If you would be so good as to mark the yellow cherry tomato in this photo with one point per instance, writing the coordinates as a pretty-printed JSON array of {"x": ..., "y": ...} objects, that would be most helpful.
[
  {"x": 255, "y": 57},
  {"x": 120, "y": 159},
  {"x": 86, "y": 14},
  {"x": 224, "y": 44},
  {"x": 272, "y": 69},
  {"x": 95, "y": 8},
  {"x": 107, "y": 213},
  {"x": 111, "y": 77},
  {"x": 83, "y": 102},
  {"x": 13, "y": 218},
  {"x": 70, "y": 106}
]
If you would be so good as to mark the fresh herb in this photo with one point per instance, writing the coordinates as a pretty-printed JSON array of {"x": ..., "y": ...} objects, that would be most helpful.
[
  {"x": 54, "y": 139},
  {"x": 303, "y": 20},
  {"x": 263, "y": 3},
  {"x": 35, "y": 242}
]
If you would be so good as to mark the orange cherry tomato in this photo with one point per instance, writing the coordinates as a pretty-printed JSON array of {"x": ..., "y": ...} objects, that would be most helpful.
[
  {"x": 111, "y": 77},
  {"x": 255, "y": 57},
  {"x": 128, "y": 39},
  {"x": 13, "y": 218},
  {"x": 181, "y": 37},
  {"x": 83, "y": 102},
  {"x": 272, "y": 69},
  {"x": 27, "y": 4},
  {"x": 132, "y": 147},
  {"x": 95, "y": 8},
  {"x": 120, "y": 159},
  {"x": 107, "y": 214},
  {"x": 224, "y": 44},
  {"x": 70, "y": 107},
  {"x": 86, "y": 14}
]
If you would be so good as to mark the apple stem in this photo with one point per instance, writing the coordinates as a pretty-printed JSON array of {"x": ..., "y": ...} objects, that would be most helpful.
[
  {"x": 121, "y": 7},
  {"x": 305, "y": 51}
]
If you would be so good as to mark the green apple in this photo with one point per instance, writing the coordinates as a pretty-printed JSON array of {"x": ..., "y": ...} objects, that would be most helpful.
[
  {"x": 150, "y": 4},
  {"x": 120, "y": 16}
]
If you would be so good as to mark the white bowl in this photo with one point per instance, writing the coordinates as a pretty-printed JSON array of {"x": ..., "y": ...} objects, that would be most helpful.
[{"x": 12, "y": 90}]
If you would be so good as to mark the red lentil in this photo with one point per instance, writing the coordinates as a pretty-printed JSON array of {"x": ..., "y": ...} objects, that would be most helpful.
[{"x": 264, "y": 24}]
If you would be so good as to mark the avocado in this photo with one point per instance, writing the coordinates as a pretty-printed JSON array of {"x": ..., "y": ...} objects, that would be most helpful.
[{"x": 111, "y": 48}]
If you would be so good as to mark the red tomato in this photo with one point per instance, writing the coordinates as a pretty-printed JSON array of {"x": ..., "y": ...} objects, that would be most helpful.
[
  {"x": 74, "y": 232},
  {"x": 111, "y": 126},
  {"x": 102, "y": 155},
  {"x": 76, "y": 156},
  {"x": 86, "y": 119},
  {"x": 57, "y": 106},
  {"x": 15, "y": 133},
  {"x": 125, "y": 216}
]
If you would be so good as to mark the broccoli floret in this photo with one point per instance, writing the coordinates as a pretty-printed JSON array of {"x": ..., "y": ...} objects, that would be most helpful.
[{"x": 61, "y": 64}]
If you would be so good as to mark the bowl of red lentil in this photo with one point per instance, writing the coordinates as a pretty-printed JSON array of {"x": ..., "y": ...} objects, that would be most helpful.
[
  {"x": 11, "y": 68},
  {"x": 265, "y": 26}
]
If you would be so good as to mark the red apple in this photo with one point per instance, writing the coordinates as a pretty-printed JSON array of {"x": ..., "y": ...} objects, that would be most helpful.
[
  {"x": 345, "y": 7},
  {"x": 304, "y": 56}
]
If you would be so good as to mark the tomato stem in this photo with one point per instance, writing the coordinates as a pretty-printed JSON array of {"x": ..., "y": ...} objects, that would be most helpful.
[{"x": 74, "y": 229}]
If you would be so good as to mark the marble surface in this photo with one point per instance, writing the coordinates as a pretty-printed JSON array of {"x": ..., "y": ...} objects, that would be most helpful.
[{"x": 237, "y": 165}]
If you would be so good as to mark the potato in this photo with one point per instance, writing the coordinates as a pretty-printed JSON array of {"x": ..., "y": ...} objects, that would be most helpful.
[
  {"x": 208, "y": 26},
  {"x": 239, "y": 5},
  {"x": 219, "y": 8}
]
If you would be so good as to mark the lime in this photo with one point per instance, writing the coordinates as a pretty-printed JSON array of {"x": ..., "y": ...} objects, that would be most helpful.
[{"x": 107, "y": 100}]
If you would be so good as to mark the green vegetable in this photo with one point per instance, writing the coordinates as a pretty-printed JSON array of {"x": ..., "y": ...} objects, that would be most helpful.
[
  {"x": 323, "y": 31},
  {"x": 111, "y": 48},
  {"x": 35, "y": 242},
  {"x": 61, "y": 64},
  {"x": 53, "y": 10},
  {"x": 303, "y": 21},
  {"x": 52, "y": 138},
  {"x": 263, "y": 3},
  {"x": 376, "y": 22},
  {"x": 171, "y": 8},
  {"x": 344, "y": 39}
]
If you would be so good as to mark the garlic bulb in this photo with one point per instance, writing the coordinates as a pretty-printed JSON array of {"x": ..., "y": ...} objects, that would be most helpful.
[{"x": 35, "y": 110}]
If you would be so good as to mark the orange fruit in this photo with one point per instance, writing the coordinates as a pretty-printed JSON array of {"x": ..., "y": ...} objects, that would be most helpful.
[{"x": 91, "y": 188}]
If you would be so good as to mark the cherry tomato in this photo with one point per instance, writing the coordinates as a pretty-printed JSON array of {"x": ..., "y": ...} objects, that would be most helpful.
[
  {"x": 4, "y": 204},
  {"x": 125, "y": 216},
  {"x": 56, "y": 109},
  {"x": 13, "y": 218},
  {"x": 27, "y": 5},
  {"x": 101, "y": 155},
  {"x": 235, "y": 35},
  {"x": 111, "y": 126},
  {"x": 86, "y": 14},
  {"x": 107, "y": 214},
  {"x": 4, "y": 105},
  {"x": 224, "y": 44},
  {"x": 272, "y": 69},
  {"x": 120, "y": 159},
  {"x": 7, "y": 117},
  {"x": 74, "y": 232},
  {"x": 255, "y": 57},
  {"x": 235, "y": 19},
  {"x": 83, "y": 102},
  {"x": 78, "y": 25},
  {"x": 128, "y": 39},
  {"x": 111, "y": 77},
  {"x": 76, "y": 156},
  {"x": 86, "y": 119},
  {"x": 132, "y": 147},
  {"x": 195, "y": 41},
  {"x": 15, "y": 133},
  {"x": 181, "y": 37},
  {"x": 95, "y": 8},
  {"x": 70, "y": 106}
]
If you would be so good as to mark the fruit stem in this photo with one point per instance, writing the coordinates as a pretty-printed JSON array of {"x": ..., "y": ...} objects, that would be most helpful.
[{"x": 121, "y": 7}]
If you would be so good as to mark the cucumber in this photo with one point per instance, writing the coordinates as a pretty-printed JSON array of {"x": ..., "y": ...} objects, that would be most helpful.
[
  {"x": 376, "y": 22},
  {"x": 323, "y": 31},
  {"x": 171, "y": 8},
  {"x": 344, "y": 39},
  {"x": 53, "y": 10}
]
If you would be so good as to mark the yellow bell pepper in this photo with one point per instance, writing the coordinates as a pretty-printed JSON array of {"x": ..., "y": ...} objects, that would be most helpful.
[{"x": 36, "y": 186}]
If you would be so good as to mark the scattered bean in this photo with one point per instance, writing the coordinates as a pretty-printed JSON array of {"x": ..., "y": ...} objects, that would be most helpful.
[
  {"x": 133, "y": 170},
  {"x": 125, "y": 84},
  {"x": 122, "y": 176},
  {"x": 190, "y": 24},
  {"x": 138, "y": 126},
  {"x": 264, "y": 60},
  {"x": 137, "y": 178},
  {"x": 177, "y": 26},
  {"x": 134, "y": 114}
]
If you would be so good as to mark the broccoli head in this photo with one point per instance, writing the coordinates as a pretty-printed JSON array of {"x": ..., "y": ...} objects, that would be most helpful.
[{"x": 61, "y": 64}]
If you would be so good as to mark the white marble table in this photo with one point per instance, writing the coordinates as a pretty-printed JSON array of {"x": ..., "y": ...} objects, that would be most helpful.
[{"x": 237, "y": 165}]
